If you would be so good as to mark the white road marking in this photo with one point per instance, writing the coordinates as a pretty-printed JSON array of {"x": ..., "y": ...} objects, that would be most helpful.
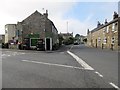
[
  {"x": 51, "y": 64},
  {"x": 3, "y": 54},
  {"x": 8, "y": 51},
  {"x": 11, "y": 54},
  {"x": 114, "y": 85},
  {"x": 61, "y": 52},
  {"x": 22, "y": 53},
  {"x": 8, "y": 55},
  {"x": 99, "y": 74},
  {"x": 86, "y": 66},
  {"x": 71, "y": 47},
  {"x": 80, "y": 61}
]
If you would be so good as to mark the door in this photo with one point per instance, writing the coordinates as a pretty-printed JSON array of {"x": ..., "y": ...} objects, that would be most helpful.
[
  {"x": 48, "y": 44},
  {"x": 96, "y": 43}
]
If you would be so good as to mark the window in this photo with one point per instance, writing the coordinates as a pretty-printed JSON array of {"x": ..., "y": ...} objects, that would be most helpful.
[
  {"x": 116, "y": 24},
  {"x": 112, "y": 40},
  {"x": 99, "y": 39},
  {"x": 6, "y": 31},
  {"x": 116, "y": 27},
  {"x": 6, "y": 28},
  {"x": 107, "y": 29},
  {"x": 44, "y": 30},
  {"x": 113, "y": 27},
  {"x": 18, "y": 33},
  {"x": 105, "y": 40},
  {"x": 104, "y": 29}
]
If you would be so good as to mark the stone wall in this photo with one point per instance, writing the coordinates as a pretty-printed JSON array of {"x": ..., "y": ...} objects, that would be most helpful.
[{"x": 34, "y": 24}]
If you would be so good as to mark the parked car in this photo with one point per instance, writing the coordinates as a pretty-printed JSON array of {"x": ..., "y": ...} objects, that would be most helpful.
[{"x": 76, "y": 43}]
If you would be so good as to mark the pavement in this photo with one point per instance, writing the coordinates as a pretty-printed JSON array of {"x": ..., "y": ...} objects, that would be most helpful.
[{"x": 57, "y": 69}]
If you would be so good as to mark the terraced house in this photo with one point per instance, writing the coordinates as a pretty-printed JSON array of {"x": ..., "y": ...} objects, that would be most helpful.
[{"x": 105, "y": 35}]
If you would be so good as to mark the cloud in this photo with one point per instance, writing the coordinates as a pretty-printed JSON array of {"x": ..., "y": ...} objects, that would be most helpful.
[
  {"x": 79, "y": 27},
  {"x": 74, "y": 25},
  {"x": 22, "y": 8},
  {"x": 18, "y": 10},
  {"x": 5, "y": 19}
]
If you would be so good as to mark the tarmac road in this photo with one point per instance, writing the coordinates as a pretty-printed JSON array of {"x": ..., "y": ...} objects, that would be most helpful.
[{"x": 51, "y": 69}]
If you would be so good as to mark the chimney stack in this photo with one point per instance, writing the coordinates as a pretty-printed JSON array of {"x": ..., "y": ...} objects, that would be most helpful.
[
  {"x": 106, "y": 21},
  {"x": 115, "y": 15},
  {"x": 99, "y": 24},
  {"x": 46, "y": 14},
  {"x": 88, "y": 31}
]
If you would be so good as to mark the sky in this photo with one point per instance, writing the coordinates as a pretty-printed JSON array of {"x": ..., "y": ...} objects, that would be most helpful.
[{"x": 80, "y": 15}]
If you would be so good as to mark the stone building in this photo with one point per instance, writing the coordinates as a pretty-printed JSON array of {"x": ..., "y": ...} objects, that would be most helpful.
[
  {"x": 2, "y": 38},
  {"x": 105, "y": 35},
  {"x": 10, "y": 30},
  {"x": 37, "y": 24}
]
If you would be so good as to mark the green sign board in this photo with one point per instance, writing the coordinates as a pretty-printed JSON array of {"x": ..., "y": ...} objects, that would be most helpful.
[{"x": 34, "y": 42}]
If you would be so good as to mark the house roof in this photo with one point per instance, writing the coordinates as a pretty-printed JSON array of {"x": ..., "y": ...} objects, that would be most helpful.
[
  {"x": 102, "y": 26},
  {"x": 35, "y": 13},
  {"x": 53, "y": 24},
  {"x": 10, "y": 24},
  {"x": 38, "y": 13}
]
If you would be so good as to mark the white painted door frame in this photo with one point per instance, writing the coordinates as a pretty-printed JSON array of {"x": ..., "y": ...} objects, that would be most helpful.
[{"x": 50, "y": 43}]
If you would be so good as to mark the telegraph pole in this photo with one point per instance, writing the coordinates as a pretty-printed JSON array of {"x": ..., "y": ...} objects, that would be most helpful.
[{"x": 67, "y": 26}]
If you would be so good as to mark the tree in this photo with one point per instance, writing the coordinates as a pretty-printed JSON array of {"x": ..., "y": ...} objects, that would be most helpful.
[
  {"x": 60, "y": 39},
  {"x": 71, "y": 40},
  {"x": 77, "y": 35},
  {"x": 85, "y": 40}
]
